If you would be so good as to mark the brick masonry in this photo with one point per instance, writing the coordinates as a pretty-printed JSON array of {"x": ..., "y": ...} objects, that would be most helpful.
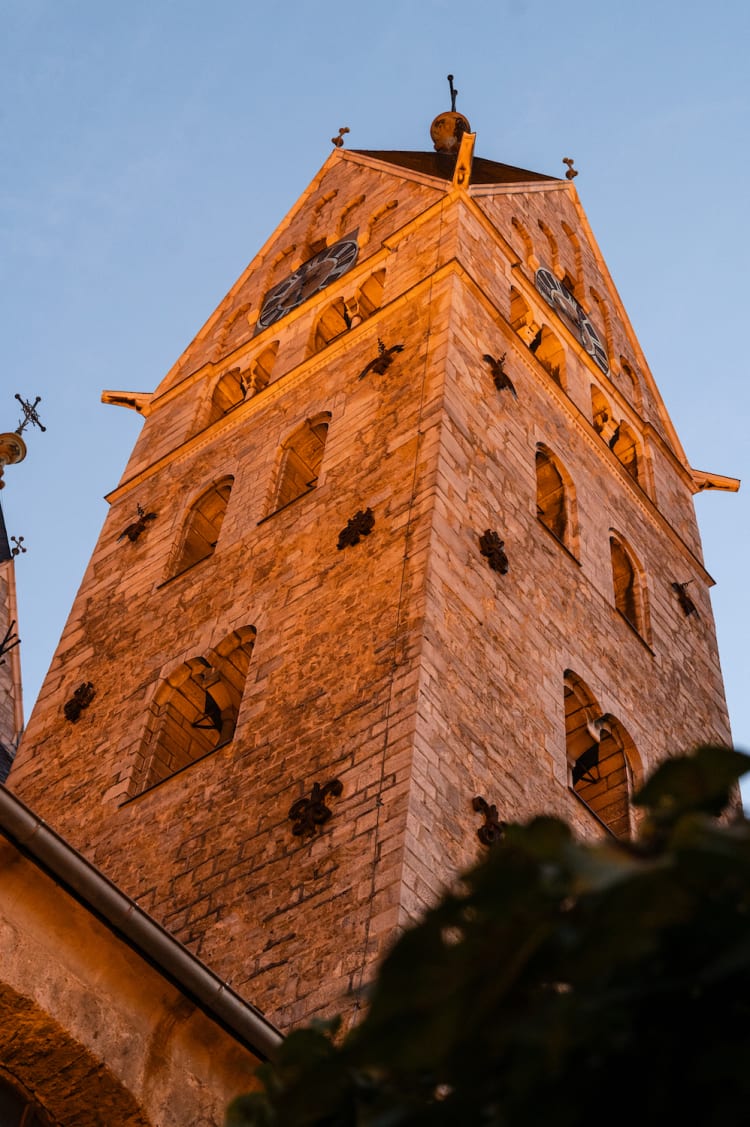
[{"x": 403, "y": 666}]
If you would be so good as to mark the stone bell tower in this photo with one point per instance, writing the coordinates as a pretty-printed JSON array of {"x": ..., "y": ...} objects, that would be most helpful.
[{"x": 406, "y": 549}]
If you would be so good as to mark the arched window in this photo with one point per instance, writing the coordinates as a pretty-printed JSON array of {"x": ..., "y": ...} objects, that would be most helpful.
[
  {"x": 630, "y": 382},
  {"x": 550, "y": 354},
  {"x": 262, "y": 366},
  {"x": 629, "y": 591},
  {"x": 195, "y": 710},
  {"x": 551, "y": 498},
  {"x": 346, "y": 313},
  {"x": 528, "y": 246},
  {"x": 624, "y": 445},
  {"x": 370, "y": 295},
  {"x": 600, "y": 770},
  {"x": 601, "y": 414},
  {"x": 333, "y": 322},
  {"x": 228, "y": 393},
  {"x": 300, "y": 460},
  {"x": 521, "y": 320},
  {"x": 202, "y": 525}
]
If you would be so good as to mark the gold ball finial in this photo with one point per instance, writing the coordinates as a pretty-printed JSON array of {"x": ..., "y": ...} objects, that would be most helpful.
[{"x": 448, "y": 128}]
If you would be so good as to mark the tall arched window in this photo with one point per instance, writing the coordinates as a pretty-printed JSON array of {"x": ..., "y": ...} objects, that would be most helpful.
[
  {"x": 300, "y": 460},
  {"x": 521, "y": 320},
  {"x": 600, "y": 758},
  {"x": 333, "y": 322},
  {"x": 262, "y": 366},
  {"x": 552, "y": 505},
  {"x": 195, "y": 710},
  {"x": 601, "y": 414},
  {"x": 202, "y": 525},
  {"x": 370, "y": 295},
  {"x": 550, "y": 354},
  {"x": 228, "y": 394},
  {"x": 629, "y": 589},
  {"x": 625, "y": 447}
]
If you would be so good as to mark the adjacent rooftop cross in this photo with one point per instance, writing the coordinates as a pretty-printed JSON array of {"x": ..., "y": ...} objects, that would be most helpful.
[{"x": 29, "y": 414}]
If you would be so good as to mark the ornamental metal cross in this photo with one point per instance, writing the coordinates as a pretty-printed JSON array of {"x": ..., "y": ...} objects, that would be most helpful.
[
  {"x": 29, "y": 414},
  {"x": 454, "y": 92}
]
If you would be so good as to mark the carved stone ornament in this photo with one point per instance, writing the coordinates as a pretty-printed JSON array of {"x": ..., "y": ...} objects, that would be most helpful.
[
  {"x": 492, "y": 547},
  {"x": 81, "y": 699},
  {"x": 307, "y": 814},
  {"x": 493, "y": 829},
  {"x": 361, "y": 524}
]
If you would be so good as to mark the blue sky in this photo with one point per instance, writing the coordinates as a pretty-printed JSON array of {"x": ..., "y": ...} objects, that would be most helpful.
[{"x": 148, "y": 150}]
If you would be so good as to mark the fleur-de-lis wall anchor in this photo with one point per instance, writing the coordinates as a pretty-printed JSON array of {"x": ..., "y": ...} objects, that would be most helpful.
[
  {"x": 685, "y": 601},
  {"x": 382, "y": 361},
  {"x": 492, "y": 547},
  {"x": 308, "y": 814},
  {"x": 339, "y": 140},
  {"x": 9, "y": 642},
  {"x": 81, "y": 699},
  {"x": 18, "y": 542},
  {"x": 502, "y": 380},
  {"x": 571, "y": 173},
  {"x": 134, "y": 530},
  {"x": 493, "y": 829},
  {"x": 361, "y": 524}
]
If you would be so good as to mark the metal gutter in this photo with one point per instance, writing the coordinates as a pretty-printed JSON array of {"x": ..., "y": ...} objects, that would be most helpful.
[{"x": 120, "y": 914}]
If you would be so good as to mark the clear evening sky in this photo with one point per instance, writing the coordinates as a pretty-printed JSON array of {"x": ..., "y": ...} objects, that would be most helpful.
[{"x": 149, "y": 149}]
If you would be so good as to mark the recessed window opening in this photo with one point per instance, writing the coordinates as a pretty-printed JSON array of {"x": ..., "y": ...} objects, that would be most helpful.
[
  {"x": 629, "y": 591},
  {"x": 600, "y": 773},
  {"x": 601, "y": 414},
  {"x": 625, "y": 448},
  {"x": 550, "y": 354},
  {"x": 334, "y": 321},
  {"x": 203, "y": 524},
  {"x": 195, "y": 710},
  {"x": 346, "y": 313},
  {"x": 551, "y": 506},
  {"x": 301, "y": 460},
  {"x": 262, "y": 367},
  {"x": 228, "y": 394}
]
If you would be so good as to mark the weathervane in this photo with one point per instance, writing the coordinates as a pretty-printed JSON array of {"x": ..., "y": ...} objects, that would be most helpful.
[
  {"x": 29, "y": 414},
  {"x": 338, "y": 141}
]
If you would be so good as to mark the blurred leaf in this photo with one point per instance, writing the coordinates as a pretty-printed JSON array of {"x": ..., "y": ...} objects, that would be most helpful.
[{"x": 562, "y": 981}]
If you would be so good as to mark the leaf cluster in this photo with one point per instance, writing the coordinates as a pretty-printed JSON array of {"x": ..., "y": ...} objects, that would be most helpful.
[{"x": 564, "y": 982}]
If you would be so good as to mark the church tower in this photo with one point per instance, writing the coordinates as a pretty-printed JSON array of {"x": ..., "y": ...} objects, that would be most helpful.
[{"x": 405, "y": 549}]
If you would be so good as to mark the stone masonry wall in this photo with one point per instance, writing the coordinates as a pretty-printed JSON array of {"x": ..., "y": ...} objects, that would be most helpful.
[{"x": 402, "y": 666}]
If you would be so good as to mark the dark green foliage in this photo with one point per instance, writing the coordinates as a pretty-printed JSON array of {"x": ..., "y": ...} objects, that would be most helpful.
[{"x": 565, "y": 984}]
